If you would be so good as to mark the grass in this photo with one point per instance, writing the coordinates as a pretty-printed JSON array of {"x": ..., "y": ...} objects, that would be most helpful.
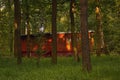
[{"x": 103, "y": 68}]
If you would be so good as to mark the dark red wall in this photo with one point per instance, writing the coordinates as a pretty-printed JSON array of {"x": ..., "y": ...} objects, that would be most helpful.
[{"x": 63, "y": 44}]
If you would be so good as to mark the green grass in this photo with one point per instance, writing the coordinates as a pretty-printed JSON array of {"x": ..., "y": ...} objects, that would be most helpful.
[{"x": 103, "y": 68}]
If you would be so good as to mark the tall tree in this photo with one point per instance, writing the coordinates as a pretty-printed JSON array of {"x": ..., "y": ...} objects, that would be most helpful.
[
  {"x": 86, "y": 61},
  {"x": 17, "y": 24},
  {"x": 54, "y": 32},
  {"x": 99, "y": 31},
  {"x": 11, "y": 27},
  {"x": 73, "y": 35},
  {"x": 27, "y": 14}
]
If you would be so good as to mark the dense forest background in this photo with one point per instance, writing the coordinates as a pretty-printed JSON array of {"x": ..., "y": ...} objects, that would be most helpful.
[{"x": 39, "y": 12}]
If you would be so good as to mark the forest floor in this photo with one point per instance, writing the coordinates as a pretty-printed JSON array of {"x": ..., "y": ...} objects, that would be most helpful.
[{"x": 103, "y": 68}]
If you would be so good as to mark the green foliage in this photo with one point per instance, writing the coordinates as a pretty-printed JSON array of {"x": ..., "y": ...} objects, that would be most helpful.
[
  {"x": 111, "y": 24},
  {"x": 66, "y": 69},
  {"x": 6, "y": 16},
  {"x": 40, "y": 12}
]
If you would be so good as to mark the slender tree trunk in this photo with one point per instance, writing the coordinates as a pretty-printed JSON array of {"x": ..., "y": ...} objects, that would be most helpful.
[
  {"x": 11, "y": 28},
  {"x": 40, "y": 42},
  {"x": 73, "y": 35},
  {"x": 17, "y": 24},
  {"x": 99, "y": 31},
  {"x": 28, "y": 27},
  {"x": 86, "y": 61},
  {"x": 54, "y": 32}
]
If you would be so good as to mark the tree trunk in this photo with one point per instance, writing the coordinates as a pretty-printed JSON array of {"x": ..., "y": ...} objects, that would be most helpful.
[
  {"x": 40, "y": 42},
  {"x": 54, "y": 32},
  {"x": 99, "y": 32},
  {"x": 28, "y": 28},
  {"x": 11, "y": 28},
  {"x": 17, "y": 24},
  {"x": 73, "y": 35},
  {"x": 86, "y": 61}
]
